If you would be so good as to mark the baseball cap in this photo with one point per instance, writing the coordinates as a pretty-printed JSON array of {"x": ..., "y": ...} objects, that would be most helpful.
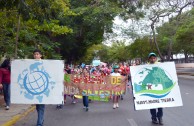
[
  {"x": 151, "y": 54},
  {"x": 116, "y": 67}
]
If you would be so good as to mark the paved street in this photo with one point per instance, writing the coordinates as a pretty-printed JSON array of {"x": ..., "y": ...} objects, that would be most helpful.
[
  {"x": 185, "y": 70},
  {"x": 102, "y": 114}
]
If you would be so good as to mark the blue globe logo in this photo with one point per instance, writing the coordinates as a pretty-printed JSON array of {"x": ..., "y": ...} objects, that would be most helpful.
[{"x": 36, "y": 82}]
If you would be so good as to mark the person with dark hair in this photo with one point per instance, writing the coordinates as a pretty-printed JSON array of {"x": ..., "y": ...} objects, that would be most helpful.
[
  {"x": 115, "y": 96},
  {"x": 37, "y": 51},
  {"x": 5, "y": 75},
  {"x": 85, "y": 97},
  {"x": 39, "y": 107}
]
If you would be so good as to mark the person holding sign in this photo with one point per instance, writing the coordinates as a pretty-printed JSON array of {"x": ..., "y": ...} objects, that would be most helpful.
[
  {"x": 39, "y": 107},
  {"x": 115, "y": 96},
  {"x": 156, "y": 116}
]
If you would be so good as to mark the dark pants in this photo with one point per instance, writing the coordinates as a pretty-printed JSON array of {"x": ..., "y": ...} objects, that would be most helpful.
[
  {"x": 6, "y": 92},
  {"x": 85, "y": 101},
  {"x": 40, "y": 111},
  {"x": 115, "y": 98},
  {"x": 155, "y": 114}
]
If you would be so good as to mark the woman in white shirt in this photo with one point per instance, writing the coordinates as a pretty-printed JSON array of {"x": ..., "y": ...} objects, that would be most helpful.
[{"x": 115, "y": 97}]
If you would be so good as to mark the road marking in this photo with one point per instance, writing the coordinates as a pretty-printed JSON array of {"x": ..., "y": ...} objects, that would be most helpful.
[{"x": 132, "y": 122}]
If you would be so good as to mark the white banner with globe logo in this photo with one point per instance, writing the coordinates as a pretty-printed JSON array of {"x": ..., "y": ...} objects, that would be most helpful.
[
  {"x": 155, "y": 86},
  {"x": 37, "y": 81}
]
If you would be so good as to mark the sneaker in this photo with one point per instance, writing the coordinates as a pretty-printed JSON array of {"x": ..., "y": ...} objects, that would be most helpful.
[
  {"x": 59, "y": 107},
  {"x": 117, "y": 105},
  {"x": 73, "y": 102},
  {"x": 154, "y": 121},
  {"x": 84, "y": 107},
  {"x": 87, "y": 109},
  {"x": 160, "y": 121},
  {"x": 114, "y": 106},
  {"x": 7, "y": 108}
]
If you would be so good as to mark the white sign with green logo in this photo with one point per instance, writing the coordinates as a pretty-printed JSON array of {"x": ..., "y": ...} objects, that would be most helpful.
[{"x": 155, "y": 86}]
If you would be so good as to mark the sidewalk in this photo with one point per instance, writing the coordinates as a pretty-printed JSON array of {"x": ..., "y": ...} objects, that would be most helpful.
[{"x": 14, "y": 114}]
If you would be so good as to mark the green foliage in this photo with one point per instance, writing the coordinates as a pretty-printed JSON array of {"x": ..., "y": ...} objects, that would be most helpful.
[
  {"x": 54, "y": 27},
  {"x": 118, "y": 52},
  {"x": 92, "y": 20},
  {"x": 184, "y": 35},
  {"x": 38, "y": 28},
  {"x": 68, "y": 29},
  {"x": 141, "y": 48},
  {"x": 177, "y": 33},
  {"x": 89, "y": 56},
  {"x": 166, "y": 37},
  {"x": 7, "y": 33}
]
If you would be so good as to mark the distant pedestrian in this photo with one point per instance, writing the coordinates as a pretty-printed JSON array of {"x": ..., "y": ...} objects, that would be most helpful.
[{"x": 5, "y": 75}]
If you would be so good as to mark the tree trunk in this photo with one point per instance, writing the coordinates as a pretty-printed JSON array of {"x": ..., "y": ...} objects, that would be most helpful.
[
  {"x": 17, "y": 37},
  {"x": 151, "y": 44},
  {"x": 186, "y": 57},
  {"x": 155, "y": 42},
  {"x": 169, "y": 50}
]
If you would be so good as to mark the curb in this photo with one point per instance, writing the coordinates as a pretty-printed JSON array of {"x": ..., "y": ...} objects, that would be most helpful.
[
  {"x": 186, "y": 77},
  {"x": 18, "y": 117}
]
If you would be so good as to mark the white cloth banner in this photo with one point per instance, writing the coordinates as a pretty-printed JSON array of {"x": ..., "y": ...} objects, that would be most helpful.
[
  {"x": 155, "y": 86},
  {"x": 37, "y": 81}
]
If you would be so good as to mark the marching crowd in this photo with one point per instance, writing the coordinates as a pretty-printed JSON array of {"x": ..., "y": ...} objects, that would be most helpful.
[
  {"x": 100, "y": 70},
  {"x": 105, "y": 70}
]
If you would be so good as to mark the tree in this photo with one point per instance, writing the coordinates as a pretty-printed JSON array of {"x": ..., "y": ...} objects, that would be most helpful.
[
  {"x": 89, "y": 26},
  {"x": 157, "y": 10},
  {"x": 173, "y": 34},
  {"x": 140, "y": 48},
  {"x": 184, "y": 35},
  {"x": 38, "y": 24},
  {"x": 118, "y": 52},
  {"x": 166, "y": 39},
  {"x": 90, "y": 54}
]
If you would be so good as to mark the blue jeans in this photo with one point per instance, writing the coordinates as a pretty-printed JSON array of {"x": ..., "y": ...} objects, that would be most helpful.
[
  {"x": 85, "y": 101},
  {"x": 155, "y": 114},
  {"x": 40, "y": 111},
  {"x": 6, "y": 92}
]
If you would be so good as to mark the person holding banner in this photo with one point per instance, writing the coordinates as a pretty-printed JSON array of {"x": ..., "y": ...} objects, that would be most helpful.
[
  {"x": 85, "y": 102},
  {"x": 84, "y": 94},
  {"x": 156, "y": 116},
  {"x": 39, "y": 107},
  {"x": 115, "y": 96},
  {"x": 5, "y": 76}
]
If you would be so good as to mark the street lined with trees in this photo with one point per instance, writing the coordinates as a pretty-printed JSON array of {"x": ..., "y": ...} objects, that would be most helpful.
[{"x": 71, "y": 30}]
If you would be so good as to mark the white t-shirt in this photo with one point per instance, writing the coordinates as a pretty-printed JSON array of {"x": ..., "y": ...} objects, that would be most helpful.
[{"x": 115, "y": 74}]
